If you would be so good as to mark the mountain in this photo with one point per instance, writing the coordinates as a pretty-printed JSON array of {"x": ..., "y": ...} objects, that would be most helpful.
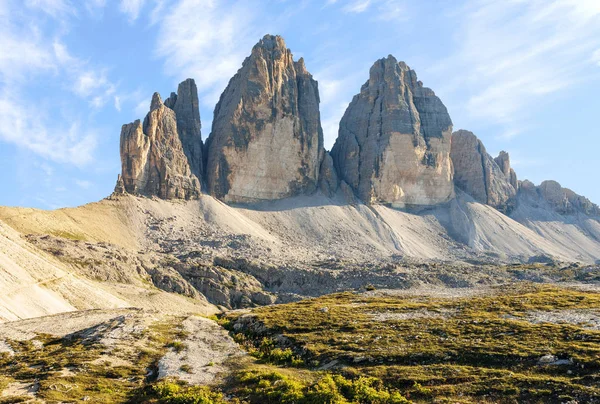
[
  {"x": 154, "y": 160},
  {"x": 262, "y": 213},
  {"x": 394, "y": 140},
  {"x": 266, "y": 141},
  {"x": 479, "y": 175}
]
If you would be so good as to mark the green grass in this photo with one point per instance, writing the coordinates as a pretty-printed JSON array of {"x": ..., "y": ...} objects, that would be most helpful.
[
  {"x": 478, "y": 348},
  {"x": 172, "y": 392}
]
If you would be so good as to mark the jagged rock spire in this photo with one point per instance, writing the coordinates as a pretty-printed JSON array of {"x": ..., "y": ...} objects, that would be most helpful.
[
  {"x": 153, "y": 159},
  {"x": 266, "y": 141},
  {"x": 394, "y": 140},
  {"x": 479, "y": 175}
]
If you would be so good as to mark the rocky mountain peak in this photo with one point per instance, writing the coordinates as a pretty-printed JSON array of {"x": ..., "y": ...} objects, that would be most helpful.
[
  {"x": 189, "y": 126},
  {"x": 394, "y": 140},
  {"x": 503, "y": 161},
  {"x": 153, "y": 159},
  {"x": 156, "y": 102},
  {"x": 266, "y": 141},
  {"x": 479, "y": 175}
]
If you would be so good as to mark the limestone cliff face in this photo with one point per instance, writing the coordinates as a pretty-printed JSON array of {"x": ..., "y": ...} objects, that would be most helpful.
[
  {"x": 394, "y": 140},
  {"x": 551, "y": 194},
  {"x": 328, "y": 178},
  {"x": 479, "y": 175},
  {"x": 153, "y": 159},
  {"x": 266, "y": 141},
  {"x": 503, "y": 161},
  {"x": 186, "y": 107}
]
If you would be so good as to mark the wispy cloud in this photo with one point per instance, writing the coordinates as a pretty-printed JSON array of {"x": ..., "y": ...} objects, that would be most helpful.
[
  {"x": 512, "y": 54},
  {"x": 336, "y": 89},
  {"x": 27, "y": 55},
  {"x": 132, "y": 8},
  {"x": 54, "y": 8},
  {"x": 83, "y": 184},
  {"x": 596, "y": 57},
  {"x": 22, "y": 125},
  {"x": 357, "y": 6}
]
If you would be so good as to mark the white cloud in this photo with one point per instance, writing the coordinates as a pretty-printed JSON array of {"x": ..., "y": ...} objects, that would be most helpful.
[
  {"x": 141, "y": 108},
  {"x": 23, "y": 126},
  {"x": 132, "y": 8},
  {"x": 357, "y": 6},
  {"x": 392, "y": 10},
  {"x": 28, "y": 55},
  {"x": 83, "y": 184},
  {"x": 513, "y": 54},
  {"x": 208, "y": 40},
  {"x": 54, "y": 8},
  {"x": 117, "y": 101},
  {"x": 88, "y": 82},
  {"x": 336, "y": 89}
]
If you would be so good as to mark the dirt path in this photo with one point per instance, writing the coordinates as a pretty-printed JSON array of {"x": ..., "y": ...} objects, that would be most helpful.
[{"x": 207, "y": 352}]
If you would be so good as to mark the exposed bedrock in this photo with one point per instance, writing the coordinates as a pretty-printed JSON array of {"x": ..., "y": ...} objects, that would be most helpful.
[
  {"x": 394, "y": 140},
  {"x": 266, "y": 141},
  {"x": 479, "y": 175},
  {"x": 163, "y": 155}
]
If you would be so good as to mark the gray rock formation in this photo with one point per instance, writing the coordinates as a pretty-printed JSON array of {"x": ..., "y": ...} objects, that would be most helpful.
[
  {"x": 503, "y": 161},
  {"x": 153, "y": 159},
  {"x": 328, "y": 178},
  {"x": 476, "y": 172},
  {"x": 394, "y": 140},
  {"x": 187, "y": 111},
  {"x": 266, "y": 141},
  {"x": 120, "y": 186},
  {"x": 552, "y": 195}
]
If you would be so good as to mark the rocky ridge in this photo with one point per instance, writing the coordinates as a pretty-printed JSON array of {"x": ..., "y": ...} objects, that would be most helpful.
[
  {"x": 552, "y": 195},
  {"x": 395, "y": 145}
]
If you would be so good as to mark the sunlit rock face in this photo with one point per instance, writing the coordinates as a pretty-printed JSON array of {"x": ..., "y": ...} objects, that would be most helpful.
[
  {"x": 153, "y": 159},
  {"x": 394, "y": 140},
  {"x": 266, "y": 141}
]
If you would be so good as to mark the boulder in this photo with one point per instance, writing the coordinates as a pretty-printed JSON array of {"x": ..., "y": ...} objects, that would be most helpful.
[
  {"x": 394, "y": 140},
  {"x": 266, "y": 141},
  {"x": 478, "y": 174}
]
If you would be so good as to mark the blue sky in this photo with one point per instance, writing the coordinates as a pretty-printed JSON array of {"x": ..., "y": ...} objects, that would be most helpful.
[{"x": 524, "y": 75}]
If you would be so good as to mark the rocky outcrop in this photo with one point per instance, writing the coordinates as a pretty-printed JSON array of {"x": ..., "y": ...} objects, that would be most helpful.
[
  {"x": 328, "y": 178},
  {"x": 551, "y": 194},
  {"x": 187, "y": 110},
  {"x": 266, "y": 141},
  {"x": 503, "y": 161},
  {"x": 394, "y": 140},
  {"x": 153, "y": 159},
  {"x": 478, "y": 174}
]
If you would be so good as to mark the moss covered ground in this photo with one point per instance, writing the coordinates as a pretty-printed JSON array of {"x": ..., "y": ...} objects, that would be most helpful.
[
  {"x": 346, "y": 348},
  {"x": 471, "y": 349}
]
